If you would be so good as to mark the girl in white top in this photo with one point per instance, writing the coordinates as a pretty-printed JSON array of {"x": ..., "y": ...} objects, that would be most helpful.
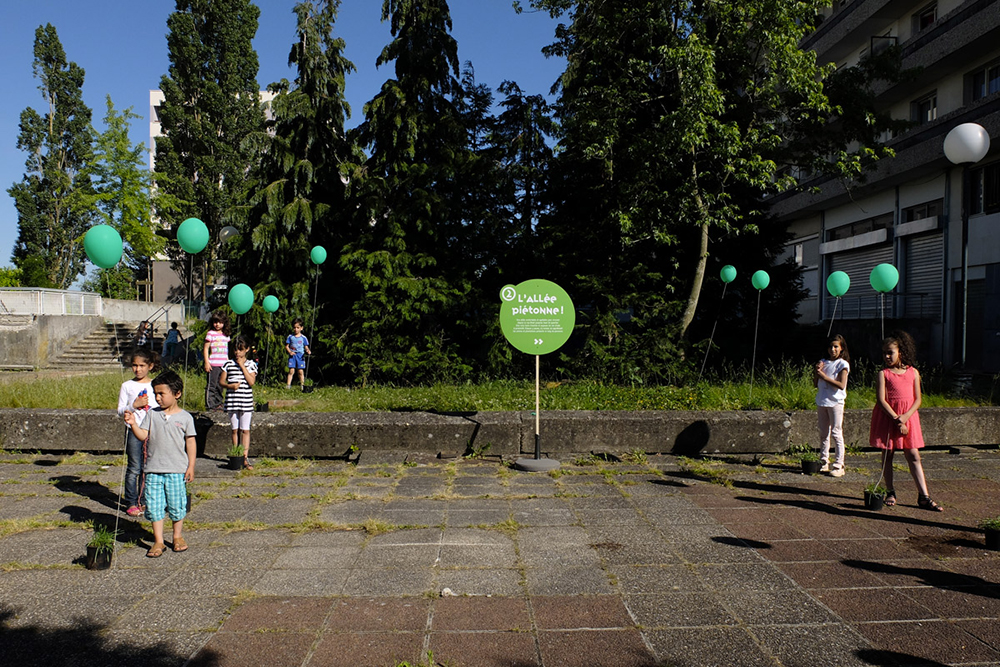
[
  {"x": 136, "y": 395},
  {"x": 830, "y": 379}
]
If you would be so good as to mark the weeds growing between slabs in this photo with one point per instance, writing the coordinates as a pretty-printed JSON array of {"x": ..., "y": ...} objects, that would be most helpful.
[{"x": 782, "y": 387}]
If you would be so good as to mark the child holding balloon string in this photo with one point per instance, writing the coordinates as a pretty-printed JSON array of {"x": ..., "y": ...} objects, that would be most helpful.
[
  {"x": 216, "y": 354},
  {"x": 830, "y": 380},
  {"x": 895, "y": 422},
  {"x": 136, "y": 395}
]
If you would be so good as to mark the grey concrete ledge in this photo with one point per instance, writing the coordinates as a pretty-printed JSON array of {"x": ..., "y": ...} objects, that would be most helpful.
[{"x": 321, "y": 434}]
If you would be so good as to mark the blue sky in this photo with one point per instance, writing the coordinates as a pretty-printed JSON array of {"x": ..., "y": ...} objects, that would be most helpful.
[{"x": 122, "y": 46}]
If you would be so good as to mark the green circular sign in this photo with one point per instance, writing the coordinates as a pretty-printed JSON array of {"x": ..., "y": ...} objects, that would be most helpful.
[{"x": 536, "y": 316}]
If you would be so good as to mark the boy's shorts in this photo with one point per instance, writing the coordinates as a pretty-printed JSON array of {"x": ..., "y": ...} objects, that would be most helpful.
[
  {"x": 297, "y": 361},
  {"x": 166, "y": 494}
]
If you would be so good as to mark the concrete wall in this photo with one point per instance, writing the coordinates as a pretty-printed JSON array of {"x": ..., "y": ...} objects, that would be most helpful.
[
  {"x": 117, "y": 310},
  {"x": 295, "y": 434},
  {"x": 31, "y": 341}
]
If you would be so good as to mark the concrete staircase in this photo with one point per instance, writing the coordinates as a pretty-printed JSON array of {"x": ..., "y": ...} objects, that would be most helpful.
[{"x": 106, "y": 347}]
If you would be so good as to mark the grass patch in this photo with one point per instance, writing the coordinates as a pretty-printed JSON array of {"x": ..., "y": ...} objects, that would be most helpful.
[
  {"x": 706, "y": 470},
  {"x": 18, "y": 566},
  {"x": 14, "y": 526}
]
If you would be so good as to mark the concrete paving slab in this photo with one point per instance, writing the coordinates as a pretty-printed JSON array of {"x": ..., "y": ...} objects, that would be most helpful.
[
  {"x": 481, "y": 613},
  {"x": 378, "y": 614},
  {"x": 652, "y": 579},
  {"x": 480, "y": 582},
  {"x": 678, "y": 610},
  {"x": 296, "y": 614},
  {"x": 389, "y": 581},
  {"x": 484, "y": 649},
  {"x": 583, "y": 648},
  {"x": 324, "y": 582},
  {"x": 709, "y": 647},
  {"x": 253, "y": 649},
  {"x": 575, "y": 612},
  {"x": 381, "y": 648},
  {"x": 568, "y": 580}
]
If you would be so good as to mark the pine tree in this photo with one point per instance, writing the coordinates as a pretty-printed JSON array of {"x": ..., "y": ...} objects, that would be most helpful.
[
  {"x": 307, "y": 167},
  {"x": 52, "y": 200},
  {"x": 411, "y": 275},
  {"x": 211, "y": 104}
]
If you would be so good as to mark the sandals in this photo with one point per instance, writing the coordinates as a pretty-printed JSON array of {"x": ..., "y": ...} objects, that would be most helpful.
[
  {"x": 179, "y": 545},
  {"x": 925, "y": 503},
  {"x": 134, "y": 510},
  {"x": 246, "y": 464},
  {"x": 156, "y": 550},
  {"x": 890, "y": 498}
]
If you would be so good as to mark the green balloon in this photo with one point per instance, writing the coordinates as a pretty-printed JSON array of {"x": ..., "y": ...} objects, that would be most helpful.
[
  {"x": 240, "y": 298},
  {"x": 192, "y": 235},
  {"x": 728, "y": 273},
  {"x": 270, "y": 303},
  {"x": 103, "y": 245},
  {"x": 838, "y": 283},
  {"x": 318, "y": 255},
  {"x": 760, "y": 279},
  {"x": 884, "y": 278}
]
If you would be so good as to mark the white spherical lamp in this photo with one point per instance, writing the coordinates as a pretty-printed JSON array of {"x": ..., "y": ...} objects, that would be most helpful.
[{"x": 966, "y": 143}]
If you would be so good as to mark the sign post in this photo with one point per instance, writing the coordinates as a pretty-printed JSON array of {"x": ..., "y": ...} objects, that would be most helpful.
[{"x": 537, "y": 317}]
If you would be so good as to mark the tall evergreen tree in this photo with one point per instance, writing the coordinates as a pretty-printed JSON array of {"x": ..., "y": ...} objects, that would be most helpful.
[
  {"x": 410, "y": 271},
  {"x": 211, "y": 104},
  {"x": 52, "y": 200},
  {"x": 307, "y": 166}
]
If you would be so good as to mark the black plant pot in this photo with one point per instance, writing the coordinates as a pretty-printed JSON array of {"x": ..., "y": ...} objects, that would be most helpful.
[
  {"x": 873, "y": 501},
  {"x": 810, "y": 467},
  {"x": 992, "y": 539},
  {"x": 98, "y": 560},
  {"x": 236, "y": 463}
]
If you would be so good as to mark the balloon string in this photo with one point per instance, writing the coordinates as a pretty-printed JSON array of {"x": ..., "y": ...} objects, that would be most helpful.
[
  {"x": 881, "y": 298},
  {"x": 712, "y": 336},
  {"x": 834, "y": 317},
  {"x": 312, "y": 331},
  {"x": 753, "y": 362}
]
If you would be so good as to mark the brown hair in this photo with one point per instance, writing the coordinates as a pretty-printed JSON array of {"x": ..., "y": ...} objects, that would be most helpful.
[
  {"x": 219, "y": 316},
  {"x": 844, "y": 353},
  {"x": 904, "y": 343}
]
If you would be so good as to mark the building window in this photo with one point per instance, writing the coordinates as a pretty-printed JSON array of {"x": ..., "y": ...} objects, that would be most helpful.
[
  {"x": 929, "y": 209},
  {"x": 860, "y": 227},
  {"x": 985, "y": 81},
  {"x": 924, "y": 110},
  {"x": 925, "y": 17},
  {"x": 984, "y": 194}
]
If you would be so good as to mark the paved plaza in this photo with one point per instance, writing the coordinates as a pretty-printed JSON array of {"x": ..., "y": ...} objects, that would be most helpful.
[{"x": 657, "y": 561}]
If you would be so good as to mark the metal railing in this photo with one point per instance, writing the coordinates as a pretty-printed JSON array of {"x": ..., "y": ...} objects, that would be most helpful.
[{"x": 38, "y": 301}]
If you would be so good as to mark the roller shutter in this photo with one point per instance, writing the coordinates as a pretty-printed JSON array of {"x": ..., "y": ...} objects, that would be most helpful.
[
  {"x": 861, "y": 301},
  {"x": 924, "y": 276}
]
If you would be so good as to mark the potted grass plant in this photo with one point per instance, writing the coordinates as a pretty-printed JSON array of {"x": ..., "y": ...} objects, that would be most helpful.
[
  {"x": 874, "y": 496},
  {"x": 991, "y": 528},
  {"x": 101, "y": 547},
  {"x": 235, "y": 453},
  {"x": 810, "y": 462}
]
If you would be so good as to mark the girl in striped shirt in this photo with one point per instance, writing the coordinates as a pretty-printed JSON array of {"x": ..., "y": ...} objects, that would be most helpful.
[{"x": 238, "y": 377}]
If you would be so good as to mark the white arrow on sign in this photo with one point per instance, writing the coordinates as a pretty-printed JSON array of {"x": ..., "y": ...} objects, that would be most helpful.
[{"x": 539, "y": 341}]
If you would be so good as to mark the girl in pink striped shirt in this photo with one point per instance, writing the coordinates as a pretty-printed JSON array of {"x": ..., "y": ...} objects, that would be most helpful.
[{"x": 216, "y": 354}]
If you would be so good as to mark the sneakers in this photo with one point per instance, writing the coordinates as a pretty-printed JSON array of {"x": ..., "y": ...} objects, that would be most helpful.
[
  {"x": 825, "y": 468},
  {"x": 837, "y": 472},
  {"x": 135, "y": 510}
]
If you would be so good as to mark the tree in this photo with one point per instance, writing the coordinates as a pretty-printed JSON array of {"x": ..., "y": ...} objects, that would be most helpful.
[
  {"x": 10, "y": 276},
  {"x": 676, "y": 118},
  {"x": 52, "y": 199},
  {"x": 122, "y": 193},
  {"x": 410, "y": 273},
  {"x": 306, "y": 166},
  {"x": 211, "y": 103}
]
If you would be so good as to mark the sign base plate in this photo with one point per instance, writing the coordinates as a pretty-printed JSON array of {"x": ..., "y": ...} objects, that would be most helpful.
[{"x": 536, "y": 465}]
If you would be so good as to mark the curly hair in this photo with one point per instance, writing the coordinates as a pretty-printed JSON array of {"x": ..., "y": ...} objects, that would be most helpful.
[
  {"x": 844, "y": 354},
  {"x": 904, "y": 343}
]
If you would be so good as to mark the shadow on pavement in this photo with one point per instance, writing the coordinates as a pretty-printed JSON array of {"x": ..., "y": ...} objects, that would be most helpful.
[
  {"x": 83, "y": 645},
  {"x": 93, "y": 490},
  {"x": 936, "y": 578},
  {"x": 894, "y": 659}
]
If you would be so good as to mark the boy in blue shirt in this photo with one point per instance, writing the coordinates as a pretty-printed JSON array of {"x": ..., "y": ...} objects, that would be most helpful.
[{"x": 297, "y": 346}]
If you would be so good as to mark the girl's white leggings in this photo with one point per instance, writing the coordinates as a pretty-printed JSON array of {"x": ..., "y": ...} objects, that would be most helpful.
[{"x": 831, "y": 423}]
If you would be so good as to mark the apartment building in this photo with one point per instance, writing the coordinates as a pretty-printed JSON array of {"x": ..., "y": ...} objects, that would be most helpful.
[{"x": 938, "y": 223}]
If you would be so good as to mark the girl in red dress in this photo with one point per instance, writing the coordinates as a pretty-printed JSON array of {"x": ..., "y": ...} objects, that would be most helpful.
[{"x": 895, "y": 422}]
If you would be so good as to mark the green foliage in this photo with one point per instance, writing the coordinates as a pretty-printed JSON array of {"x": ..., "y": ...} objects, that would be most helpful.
[
  {"x": 809, "y": 455},
  {"x": 876, "y": 490},
  {"x": 990, "y": 524},
  {"x": 121, "y": 187},
  {"x": 103, "y": 539},
  {"x": 52, "y": 200},
  {"x": 211, "y": 104},
  {"x": 117, "y": 282},
  {"x": 235, "y": 450},
  {"x": 10, "y": 276}
]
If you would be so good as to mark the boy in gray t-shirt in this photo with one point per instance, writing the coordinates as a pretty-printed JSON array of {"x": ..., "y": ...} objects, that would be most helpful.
[{"x": 170, "y": 456}]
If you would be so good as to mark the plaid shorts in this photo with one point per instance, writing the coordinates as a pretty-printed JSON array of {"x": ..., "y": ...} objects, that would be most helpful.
[{"x": 166, "y": 493}]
